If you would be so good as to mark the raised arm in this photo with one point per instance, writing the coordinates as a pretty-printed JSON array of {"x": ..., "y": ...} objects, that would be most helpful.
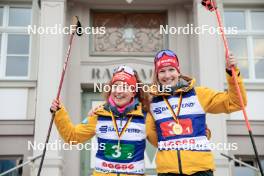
[
  {"x": 222, "y": 102},
  {"x": 74, "y": 134}
]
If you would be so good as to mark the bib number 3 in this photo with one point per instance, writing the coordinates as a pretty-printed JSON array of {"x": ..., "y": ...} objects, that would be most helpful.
[{"x": 117, "y": 152}]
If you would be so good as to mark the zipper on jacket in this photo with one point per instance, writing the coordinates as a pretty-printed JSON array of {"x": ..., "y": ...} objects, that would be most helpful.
[{"x": 179, "y": 161}]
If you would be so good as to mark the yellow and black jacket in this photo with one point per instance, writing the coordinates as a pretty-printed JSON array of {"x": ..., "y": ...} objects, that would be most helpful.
[
  {"x": 111, "y": 160},
  {"x": 188, "y": 152}
]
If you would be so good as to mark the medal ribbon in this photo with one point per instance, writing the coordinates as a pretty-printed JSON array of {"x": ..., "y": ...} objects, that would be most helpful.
[
  {"x": 116, "y": 127},
  {"x": 175, "y": 116}
]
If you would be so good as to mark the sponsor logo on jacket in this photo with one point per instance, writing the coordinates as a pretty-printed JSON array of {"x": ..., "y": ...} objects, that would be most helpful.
[
  {"x": 159, "y": 110},
  {"x": 105, "y": 129}
]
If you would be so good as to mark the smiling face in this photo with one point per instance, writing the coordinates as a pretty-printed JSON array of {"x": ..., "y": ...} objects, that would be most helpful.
[
  {"x": 121, "y": 94},
  {"x": 168, "y": 76}
]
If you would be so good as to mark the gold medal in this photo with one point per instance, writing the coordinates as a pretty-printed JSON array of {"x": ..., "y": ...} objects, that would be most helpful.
[{"x": 177, "y": 129}]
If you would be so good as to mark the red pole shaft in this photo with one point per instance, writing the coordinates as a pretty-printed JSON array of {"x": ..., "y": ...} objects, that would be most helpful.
[
  {"x": 237, "y": 88},
  {"x": 233, "y": 69},
  {"x": 57, "y": 97},
  {"x": 65, "y": 67}
]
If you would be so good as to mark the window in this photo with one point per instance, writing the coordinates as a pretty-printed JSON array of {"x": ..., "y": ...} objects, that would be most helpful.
[
  {"x": 241, "y": 170},
  {"x": 8, "y": 162},
  {"x": 11, "y": 109},
  {"x": 1, "y": 16},
  {"x": 248, "y": 44},
  {"x": 14, "y": 41}
]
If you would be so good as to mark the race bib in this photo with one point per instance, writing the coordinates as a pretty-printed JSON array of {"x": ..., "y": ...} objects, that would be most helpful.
[{"x": 168, "y": 127}]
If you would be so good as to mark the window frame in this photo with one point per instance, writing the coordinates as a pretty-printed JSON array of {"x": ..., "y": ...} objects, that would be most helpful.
[
  {"x": 5, "y": 30},
  {"x": 249, "y": 34},
  {"x": 19, "y": 160}
]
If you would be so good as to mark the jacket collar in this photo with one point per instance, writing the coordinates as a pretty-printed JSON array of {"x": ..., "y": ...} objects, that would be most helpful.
[{"x": 105, "y": 112}]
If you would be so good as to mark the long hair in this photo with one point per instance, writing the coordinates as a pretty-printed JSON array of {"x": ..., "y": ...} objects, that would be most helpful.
[
  {"x": 142, "y": 96},
  {"x": 155, "y": 80}
]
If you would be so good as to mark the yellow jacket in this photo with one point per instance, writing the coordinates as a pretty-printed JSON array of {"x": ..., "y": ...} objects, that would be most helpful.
[
  {"x": 210, "y": 101},
  {"x": 83, "y": 132}
]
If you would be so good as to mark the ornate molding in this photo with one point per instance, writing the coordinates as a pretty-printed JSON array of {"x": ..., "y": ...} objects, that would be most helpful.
[{"x": 130, "y": 33}]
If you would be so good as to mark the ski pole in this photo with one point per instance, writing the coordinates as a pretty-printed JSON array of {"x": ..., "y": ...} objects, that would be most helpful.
[
  {"x": 77, "y": 30},
  {"x": 211, "y": 6}
]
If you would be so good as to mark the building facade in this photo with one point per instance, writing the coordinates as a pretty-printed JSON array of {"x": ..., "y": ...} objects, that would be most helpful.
[{"x": 30, "y": 67}]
